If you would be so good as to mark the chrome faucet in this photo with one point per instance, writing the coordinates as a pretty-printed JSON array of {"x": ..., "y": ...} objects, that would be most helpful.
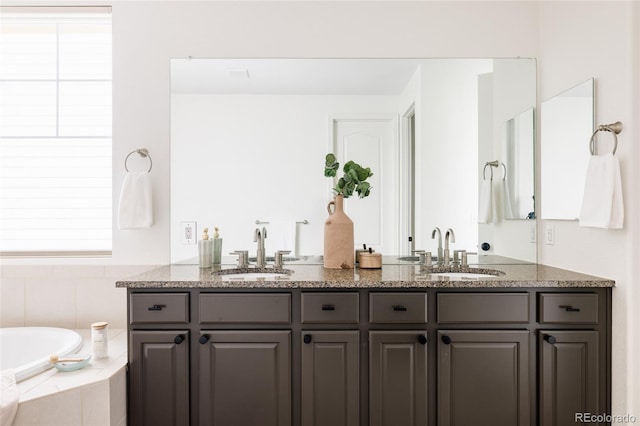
[
  {"x": 435, "y": 231},
  {"x": 258, "y": 237},
  {"x": 449, "y": 236}
]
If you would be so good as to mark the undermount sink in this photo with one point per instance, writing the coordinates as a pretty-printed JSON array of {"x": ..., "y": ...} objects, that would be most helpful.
[{"x": 252, "y": 275}]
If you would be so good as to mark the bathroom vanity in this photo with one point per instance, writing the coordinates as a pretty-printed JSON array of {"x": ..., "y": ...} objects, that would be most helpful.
[{"x": 392, "y": 347}]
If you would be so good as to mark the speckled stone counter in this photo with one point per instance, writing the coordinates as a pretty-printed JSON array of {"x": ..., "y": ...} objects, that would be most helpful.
[{"x": 390, "y": 276}]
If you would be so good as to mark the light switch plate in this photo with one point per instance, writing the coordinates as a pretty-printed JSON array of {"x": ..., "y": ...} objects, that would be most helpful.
[
  {"x": 532, "y": 233},
  {"x": 550, "y": 235},
  {"x": 188, "y": 233}
]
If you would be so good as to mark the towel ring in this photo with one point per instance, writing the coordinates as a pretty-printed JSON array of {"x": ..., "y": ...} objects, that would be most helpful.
[
  {"x": 493, "y": 164},
  {"x": 614, "y": 129},
  {"x": 144, "y": 153}
]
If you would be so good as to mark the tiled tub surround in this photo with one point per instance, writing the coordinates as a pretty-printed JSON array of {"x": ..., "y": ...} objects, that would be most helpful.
[
  {"x": 390, "y": 276},
  {"x": 63, "y": 295},
  {"x": 92, "y": 396}
]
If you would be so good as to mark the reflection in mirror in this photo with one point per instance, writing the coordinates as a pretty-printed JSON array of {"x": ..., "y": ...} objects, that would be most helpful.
[
  {"x": 249, "y": 136},
  {"x": 567, "y": 122},
  {"x": 518, "y": 159}
]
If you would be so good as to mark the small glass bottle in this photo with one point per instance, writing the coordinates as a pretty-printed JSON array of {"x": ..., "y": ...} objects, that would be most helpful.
[{"x": 99, "y": 340}]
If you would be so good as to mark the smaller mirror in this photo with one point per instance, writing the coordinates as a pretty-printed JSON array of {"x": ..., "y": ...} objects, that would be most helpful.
[
  {"x": 518, "y": 159},
  {"x": 567, "y": 122}
]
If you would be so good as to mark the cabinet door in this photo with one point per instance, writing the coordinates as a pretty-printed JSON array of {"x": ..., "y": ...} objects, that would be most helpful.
[
  {"x": 483, "y": 378},
  {"x": 245, "y": 378},
  {"x": 330, "y": 378},
  {"x": 159, "y": 378},
  {"x": 398, "y": 378},
  {"x": 568, "y": 376}
]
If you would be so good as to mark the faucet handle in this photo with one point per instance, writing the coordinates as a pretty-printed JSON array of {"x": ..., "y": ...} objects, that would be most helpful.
[
  {"x": 278, "y": 261},
  {"x": 460, "y": 257},
  {"x": 243, "y": 258},
  {"x": 424, "y": 257}
]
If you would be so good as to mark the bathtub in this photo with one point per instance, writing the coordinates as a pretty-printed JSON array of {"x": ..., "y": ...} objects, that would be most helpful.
[{"x": 26, "y": 349}]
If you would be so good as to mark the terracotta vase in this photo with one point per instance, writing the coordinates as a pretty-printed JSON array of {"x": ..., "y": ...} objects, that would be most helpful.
[{"x": 338, "y": 237}]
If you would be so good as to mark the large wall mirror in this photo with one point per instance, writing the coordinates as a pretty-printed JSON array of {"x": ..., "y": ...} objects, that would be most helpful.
[
  {"x": 249, "y": 137},
  {"x": 567, "y": 122}
]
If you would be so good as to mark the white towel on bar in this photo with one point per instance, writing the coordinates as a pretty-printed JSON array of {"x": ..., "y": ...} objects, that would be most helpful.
[
  {"x": 281, "y": 236},
  {"x": 135, "y": 210},
  {"x": 9, "y": 397},
  {"x": 602, "y": 204},
  {"x": 487, "y": 205}
]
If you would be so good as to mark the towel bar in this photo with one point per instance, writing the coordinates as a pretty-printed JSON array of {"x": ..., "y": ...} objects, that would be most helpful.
[{"x": 144, "y": 153}]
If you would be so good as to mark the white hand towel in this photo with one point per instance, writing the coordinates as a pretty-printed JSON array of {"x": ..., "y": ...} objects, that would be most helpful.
[
  {"x": 486, "y": 202},
  {"x": 281, "y": 236},
  {"x": 602, "y": 204},
  {"x": 503, "y": 200},
  {"x": 9, "y": 397},
  {"x": 135, "y": 210}
]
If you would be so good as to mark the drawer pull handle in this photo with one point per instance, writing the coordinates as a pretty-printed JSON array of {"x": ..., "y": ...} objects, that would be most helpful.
[
  {"x": 307, "y": 338},
  {"x": 328, "y": 308},
  {"x": 446, "y": 340},
  {"x": 203, "y": 339},
  {"x": 157, "y": 307},
  {"x": 422, "y": 339},
  {"x": 569, "y": 308},
  {"x": 178, "y": 339},
  {"x": 399, "y": 308},
  {"x": 549, "y": 338}
]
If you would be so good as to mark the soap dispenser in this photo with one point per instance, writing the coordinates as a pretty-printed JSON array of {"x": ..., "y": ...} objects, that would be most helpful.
[
  {"x": 217, "y": 247},
  {"x": 205, "y": 250}
]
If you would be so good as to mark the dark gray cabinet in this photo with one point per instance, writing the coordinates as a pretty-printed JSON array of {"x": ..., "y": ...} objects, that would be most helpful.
[
  {"x": 569, "y": 375},
  {"x": 483, "y": 378},
  {"x": 159, "y": 378},
  {"x": 245, "y": 378},
  {"x": 330, "y": 381},
  {"x": 368, "y": 357},
  {"x": 398, "y": 378}
]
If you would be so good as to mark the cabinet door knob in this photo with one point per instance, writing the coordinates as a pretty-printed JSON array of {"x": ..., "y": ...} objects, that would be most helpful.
[
  {"x": 203, "y": 339},
  {"x": 307, "y": 338},
  {"x": 157, "y": 307},
  {"x": 549, "y": 338},
  {"x": 399, "y": 308},
  {"x": 178, "y": 339},
  {"x": 328, "y": 308},
  {"x": 446, "y": 340},
  {"x": 422, "y": 339}
]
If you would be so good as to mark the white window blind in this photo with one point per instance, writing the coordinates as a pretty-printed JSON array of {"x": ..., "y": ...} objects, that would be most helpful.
[{"x": 55, "y": 130}]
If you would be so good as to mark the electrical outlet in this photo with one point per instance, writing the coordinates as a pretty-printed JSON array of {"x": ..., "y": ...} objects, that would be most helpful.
[
  {"x": 532, "y": 233},
  {"x": 550, "y": 235},
  {"x": 188, "y": 233}
]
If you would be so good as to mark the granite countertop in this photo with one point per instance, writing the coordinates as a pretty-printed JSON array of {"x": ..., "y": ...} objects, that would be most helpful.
[{"x": 390, "y": 276}]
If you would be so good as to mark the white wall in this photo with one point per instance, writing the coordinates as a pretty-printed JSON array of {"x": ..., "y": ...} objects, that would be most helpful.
[
  {"x": 579, "y": 40},
  {"x": 448, "y": 130},
  {"x": 268, "y": 149}
]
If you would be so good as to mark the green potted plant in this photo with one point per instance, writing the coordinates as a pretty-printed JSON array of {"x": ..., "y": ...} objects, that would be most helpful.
[{"x": 338, "y": 228}]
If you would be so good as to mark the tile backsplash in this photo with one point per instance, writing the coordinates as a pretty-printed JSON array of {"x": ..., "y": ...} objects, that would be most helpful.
[{"x": 68, "y": 296}]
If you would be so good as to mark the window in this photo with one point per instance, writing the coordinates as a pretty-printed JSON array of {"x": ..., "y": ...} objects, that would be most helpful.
[{"x": 55, "y": 130}]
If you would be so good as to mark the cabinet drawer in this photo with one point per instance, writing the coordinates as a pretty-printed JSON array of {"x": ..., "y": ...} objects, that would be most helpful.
[
  {"x": 569, "y": 308},
  {"x": 483, "y": 307},
  {"x": 158, "y": 308},
  {"x": 244, "y": 308},
  {"x": 330, "y": 307},
  {"x": 398, "y": 307}
]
